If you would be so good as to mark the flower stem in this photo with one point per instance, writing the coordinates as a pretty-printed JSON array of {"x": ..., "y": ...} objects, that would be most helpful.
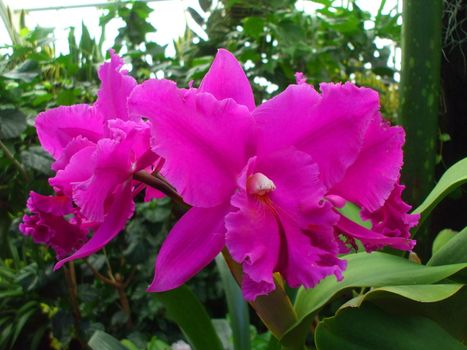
[{"x": 275, "y": 309}]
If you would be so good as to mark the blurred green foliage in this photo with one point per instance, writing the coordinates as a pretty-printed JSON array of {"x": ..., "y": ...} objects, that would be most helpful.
[{"x": 39, "y": 308}]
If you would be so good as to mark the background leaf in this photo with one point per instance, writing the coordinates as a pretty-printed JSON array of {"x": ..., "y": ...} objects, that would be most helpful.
[
  {"x": 453, "y": 252},
  {"x": 363, "y": 270},
  {"x": 189, "y": 314},
  {"x": 455, "y": 176},
  {"x": 371, "y": 328}
]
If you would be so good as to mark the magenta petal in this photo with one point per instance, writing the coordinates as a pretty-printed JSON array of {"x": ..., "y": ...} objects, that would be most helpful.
[
  {"x": 392, "y": 219},
  {"x": 330, "y": 127},
  {"x": 58, "y": 126},
  {"x": 253, "y": 240},
  {"x": 113, "y": 168},
  {"x": 311, "y": 253},
  {"x": 79, "y": 168},
  {"x": 226, "y": 79},
  {"x": 372, "y": 240},
  {"x": 73, "y": 147},
  {"x": 205, "y": 142},
  {"x": 56, "y": 205},
  {"x": 120, "y": 211},
  {"x": 116, "y": 86},
  {"x": 372, "y": 177},
  {"x": 193, "y": 242}
]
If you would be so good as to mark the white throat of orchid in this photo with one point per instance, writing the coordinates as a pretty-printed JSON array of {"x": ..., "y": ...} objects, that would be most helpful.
[{"x": 259, "y": 184}]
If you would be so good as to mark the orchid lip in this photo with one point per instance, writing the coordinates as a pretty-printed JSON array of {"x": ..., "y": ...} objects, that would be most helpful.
[{"x": 259, "y": 184}]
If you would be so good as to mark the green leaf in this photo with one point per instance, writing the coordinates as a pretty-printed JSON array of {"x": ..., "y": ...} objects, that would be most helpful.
[
  {"x": 103, "y": 341},
  {"x": 37, "y": 159},
  {"x": 423, "y": 293},
  {"x": 205, "y": 4},
  {"x": 369, "y": 327},
  {"x": 453, "y": 252},
  {"x": 454, "y": 177},
  {"x": 253, "y": 26},
  {"x": 238, "y": 308},
  {"x": 26, "y": 71},
  {"x": 189, "y": 314},
  {"x": 12, "y": 123},
  {"x": 441, "y": 239},
  {"x": 363, "y": 270}
]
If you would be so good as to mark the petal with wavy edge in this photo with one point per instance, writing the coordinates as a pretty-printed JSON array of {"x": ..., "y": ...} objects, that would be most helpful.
[
  {"x": 205, "y": 142},
  {"x": 330, "y": 127},
  {"x": 120, "y": 211},
  {"x": 79, "y": 168},
  {"x": 58, "y": 126},
  {"x": 373, "y": 175},
  {"x": 392, "y": 219},
  {"x": 226, "y": 79},
  {"x": 116, "y": 86},
  {"x": 73, "y": 147},
  {"x": 193, "y": 242},
  {"x": 372, "y": 240},
  {"x": 113, "y": 167}
]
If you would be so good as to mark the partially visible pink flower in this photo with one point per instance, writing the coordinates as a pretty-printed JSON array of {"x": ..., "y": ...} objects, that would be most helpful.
[
  {"x": 97, "y": 149},
  {"x": 265, "y": 181},
  {"x": 47, "y": 225}
]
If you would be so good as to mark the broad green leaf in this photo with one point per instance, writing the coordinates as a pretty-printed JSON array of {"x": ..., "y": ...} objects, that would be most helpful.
[
  {"x": 455, "y": 176},
  {"x": 37, "y": 159},
  {"x": 363, "y": 270},
  {"x": 189, "y": 314},
  {"x": 423, "y": 293},
  {"x": 12, "y": 123},
  {"x": 453, "y": 252},
  {"x": 253, "y": 26},
  {"x": 441, "y": 239},
  {"x": 103, "y": 341},
  {"x": 443, "y": 303},
  {"x": 370, "y": 328},
  {"x": 238, "y": 309}
]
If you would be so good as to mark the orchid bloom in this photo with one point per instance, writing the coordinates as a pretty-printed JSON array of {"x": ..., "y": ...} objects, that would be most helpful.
[
  {"x": 267, "y": 182},
  {"x": 97, "y": 149}
]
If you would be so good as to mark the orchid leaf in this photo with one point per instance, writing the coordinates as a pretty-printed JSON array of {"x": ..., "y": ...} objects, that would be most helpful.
[
  {"x": 363, "y": 270},
  {"x": 189, "y": 314},
  {"x": 238, "y": 309},
  {"x": 442, "y": 303},
  {"x": 103, "y": 341},
  {"x": 453, "y": 252},
  {"x": 369, "y": 327},
  {"x": 454, "y": 177}
]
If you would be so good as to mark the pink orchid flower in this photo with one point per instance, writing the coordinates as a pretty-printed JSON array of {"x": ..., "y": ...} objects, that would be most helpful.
[
  {"x": 267, "y": 182},
  {"x": 97, "y": 149}
]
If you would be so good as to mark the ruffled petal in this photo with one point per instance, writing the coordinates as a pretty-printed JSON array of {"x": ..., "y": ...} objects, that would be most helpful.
[
  {"x": 373, "y": 175},
  {"x": 120, "y": 211},
  {"x": 113, "y": 167},
  {"x": 80, "y": 167},
  {"x": 46, "y": 224},
  {"x": 226, "y": 79},
  {"x": 308, "y": 246},
  {"x": 286, "y": 228},
  {"x": 205, "y": 142},
  {"x": 372, "y": 240},
  {"x": 253, "y": 240},
  {"x": 116, "y": 86},
  {"x": 193, "y": 242},
  {"x": 58, "y": 126},
  {"x": 311, "y": 252},
  {"x": 330, "y": 127},
  {"x": 73, "y": 147},
  {"x": 56, "y": 205},
  {"x": 392, "y": 219}
]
